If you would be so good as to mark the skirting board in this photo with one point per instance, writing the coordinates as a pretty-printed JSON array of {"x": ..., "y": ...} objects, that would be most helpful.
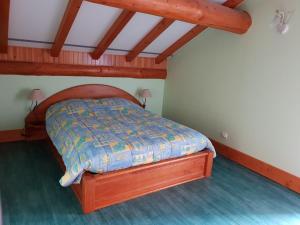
[
  {"x": 277, "y": 175},
  {"x": 11, "y": 135}
]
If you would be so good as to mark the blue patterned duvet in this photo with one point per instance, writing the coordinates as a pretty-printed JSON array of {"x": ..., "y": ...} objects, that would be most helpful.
[{"x": 110, "y": 134}]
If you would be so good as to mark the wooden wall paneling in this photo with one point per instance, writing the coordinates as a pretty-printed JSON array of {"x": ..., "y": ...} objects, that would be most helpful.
[
  {"x": 4, "y": 22},
  {"x": 25, "y": 54},
  {"x": 65, "y": 26},
  {"x": 40, "y": 69},
  {"x": 112, "y": 33},
  {"x": 34, "y": 61},
  {"x": 190, "y": 35},
  {"x": 200, "y": 12},
  {"x": 149, "y": 38}
]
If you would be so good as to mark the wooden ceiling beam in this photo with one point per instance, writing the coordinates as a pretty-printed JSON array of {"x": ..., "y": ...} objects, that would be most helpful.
[
  {"x": 200, "y": 12},
  {"x": 112, "y": 33},
  {"x": 4, "y": 20},
  {"x": 232, "y": 3},
  {"x": 65, "y": 26},
  {"x": 179, "y": 43},
  {"x": 190, "y": 35},
  {"x": 149, "y": 38},
  {"x": 43, "y": 69}
]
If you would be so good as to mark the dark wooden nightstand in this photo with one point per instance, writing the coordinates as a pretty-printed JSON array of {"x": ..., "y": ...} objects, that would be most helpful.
[{"x": 35, "y": 131}]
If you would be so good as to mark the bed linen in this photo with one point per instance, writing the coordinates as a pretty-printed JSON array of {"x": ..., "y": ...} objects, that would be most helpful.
[{"x": 101, "y": 135}]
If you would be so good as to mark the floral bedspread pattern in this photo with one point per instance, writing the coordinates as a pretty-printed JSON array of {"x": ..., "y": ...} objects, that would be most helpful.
[{"x": 109, "y": 134}]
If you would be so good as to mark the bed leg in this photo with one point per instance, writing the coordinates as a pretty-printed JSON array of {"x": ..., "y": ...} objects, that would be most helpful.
[
  {"x": 88, "y": 194},
  {"x": 209, "y": 164}
]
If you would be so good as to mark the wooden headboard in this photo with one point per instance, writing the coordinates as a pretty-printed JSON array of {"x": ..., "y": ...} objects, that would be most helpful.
[{"x": 35, "y": 120}]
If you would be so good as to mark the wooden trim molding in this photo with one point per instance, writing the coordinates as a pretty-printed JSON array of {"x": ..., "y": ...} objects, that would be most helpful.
[
  {"x": 200, "y": 12},
  {"x": 195, "y": 31},
  {"x": 4, "y": 21},
  {"x": 277, "y": 175},
  {"x": 65, "y": 26},
  {"x": 112, "y": 33},
  {"x": 11, "y": 135},
  {"x": 149, "y": 38},
  {"x": 35, "y": 61}
]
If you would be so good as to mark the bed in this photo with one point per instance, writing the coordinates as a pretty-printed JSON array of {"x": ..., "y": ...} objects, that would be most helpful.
[{"x": 112, "y": 149}]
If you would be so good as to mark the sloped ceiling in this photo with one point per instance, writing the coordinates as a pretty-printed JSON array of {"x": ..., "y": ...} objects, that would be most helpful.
[{"x": 34, "y": 23}]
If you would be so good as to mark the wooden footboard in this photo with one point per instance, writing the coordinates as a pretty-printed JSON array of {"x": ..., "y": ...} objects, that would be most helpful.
[
  {"x": 97, "y": 191},
  {"x": 101, "y": 190}
]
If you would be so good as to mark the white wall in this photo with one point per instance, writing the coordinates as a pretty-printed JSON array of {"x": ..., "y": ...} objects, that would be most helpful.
[
  {"x": 14, "y": 92},
  {"x": 247, "y": 85}
]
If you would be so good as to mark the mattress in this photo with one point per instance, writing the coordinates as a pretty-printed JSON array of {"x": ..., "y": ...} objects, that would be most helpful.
[{"x": 109, "y": 134}]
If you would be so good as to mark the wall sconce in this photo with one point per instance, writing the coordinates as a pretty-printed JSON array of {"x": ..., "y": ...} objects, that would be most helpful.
[
  {"x": 281, "y": 21},
  {"x": 36, "y": 96},
  {"x": 145, "y": 93}
]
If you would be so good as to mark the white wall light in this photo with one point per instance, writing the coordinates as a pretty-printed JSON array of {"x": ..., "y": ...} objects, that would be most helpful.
[{"x": 281, "y": 21}]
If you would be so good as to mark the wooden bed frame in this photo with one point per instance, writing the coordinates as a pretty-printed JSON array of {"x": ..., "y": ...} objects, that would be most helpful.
[{"x": 97, "y": 191}]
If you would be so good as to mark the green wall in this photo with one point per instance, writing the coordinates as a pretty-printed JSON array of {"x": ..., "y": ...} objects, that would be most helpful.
[
  {"x": 14, "y": 103},
  {"x": 246, "y": 85}
]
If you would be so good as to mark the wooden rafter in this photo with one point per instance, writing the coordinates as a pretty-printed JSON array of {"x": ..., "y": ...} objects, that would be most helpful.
[
  {"x": 190, "y": 35},
  {"x": 232, "y": 3},
  {"x": 200, "y": 12},
  {"x": 112, "y": 33},
  {"x": 179, "y": 43},
  {"x": 4, "y": 19},
  {"x": 149, "y": 38},
  {"x": 65, "y": 26}
]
